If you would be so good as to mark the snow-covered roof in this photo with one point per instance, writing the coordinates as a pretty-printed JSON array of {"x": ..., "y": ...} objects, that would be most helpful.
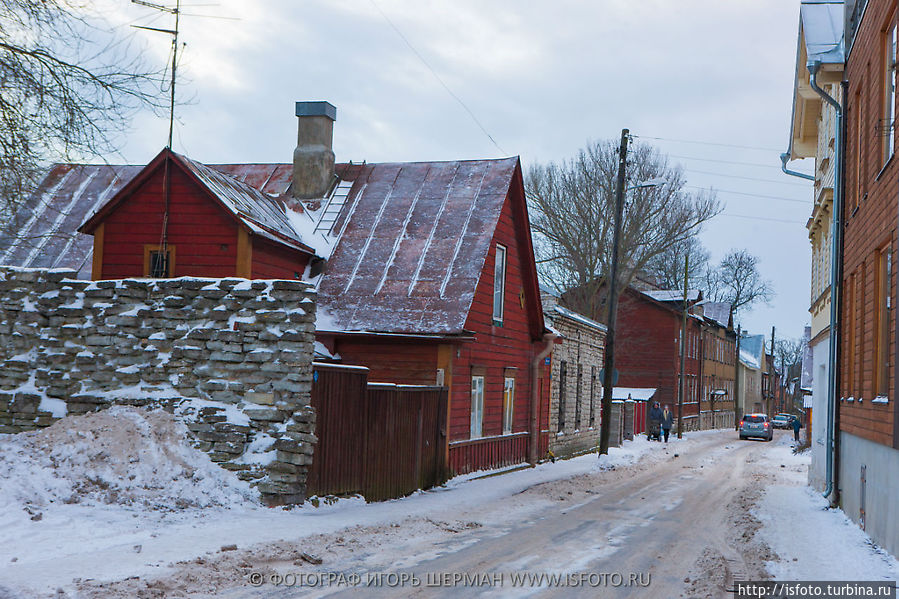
[
  {"x": 579, "y": 318},
  {"x": 822, "y": 28},
  {"x": 673, "y": 295},
  {"x": 635, "y": 393},
  {"x": 718, "y": 312},
  {"x": 751, "y": 348},
  {"x": 264, "y": 215}
]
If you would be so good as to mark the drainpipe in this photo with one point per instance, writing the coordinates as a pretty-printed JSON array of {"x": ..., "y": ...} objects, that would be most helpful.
[
  {"x": 836, "y": 240},
  {"x": 549, "y": 340}
]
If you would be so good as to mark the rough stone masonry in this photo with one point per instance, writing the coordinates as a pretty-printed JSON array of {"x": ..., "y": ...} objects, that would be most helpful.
[{"x": 232, "y": 357}]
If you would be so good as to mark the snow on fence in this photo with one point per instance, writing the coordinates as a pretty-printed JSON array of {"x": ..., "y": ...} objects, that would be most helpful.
[{"x": 232, "y": 357}]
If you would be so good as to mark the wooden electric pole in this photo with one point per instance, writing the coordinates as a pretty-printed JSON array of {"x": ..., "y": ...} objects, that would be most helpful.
[
  {"x": 683, "y": 356},
  {"x": 612, "y": 286}
]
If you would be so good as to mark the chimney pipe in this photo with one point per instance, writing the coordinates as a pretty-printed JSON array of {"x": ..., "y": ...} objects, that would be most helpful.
[{"x": 313, "y": 158}]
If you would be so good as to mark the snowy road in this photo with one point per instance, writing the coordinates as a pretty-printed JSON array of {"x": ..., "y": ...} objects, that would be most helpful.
[
  {"x": 646, "y": 521},
  {"x": 680, "y": 519}
]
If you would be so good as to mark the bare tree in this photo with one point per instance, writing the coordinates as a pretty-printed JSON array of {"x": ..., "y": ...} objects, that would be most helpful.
[
  {"x": 68, "y": 86},
  {"x": 737, "y": 281},
  {"x": 572, "y": 204},
  {"x": 788, "y": 352},
  {"x": 667, "y": 268}
]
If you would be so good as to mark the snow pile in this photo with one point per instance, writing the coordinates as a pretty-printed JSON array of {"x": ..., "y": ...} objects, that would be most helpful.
[{"x": 123, "y": 455}]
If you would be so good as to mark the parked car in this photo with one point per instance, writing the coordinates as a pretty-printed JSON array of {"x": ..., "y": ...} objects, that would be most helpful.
[
  {"x": 782, "y": 421},
  {"x": 756, "y": 425}
]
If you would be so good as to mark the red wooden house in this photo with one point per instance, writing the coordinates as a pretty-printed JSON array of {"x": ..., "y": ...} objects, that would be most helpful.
[{"x": 425, "y": 270}]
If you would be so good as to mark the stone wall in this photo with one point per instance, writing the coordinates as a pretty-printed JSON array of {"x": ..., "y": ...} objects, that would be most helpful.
[
  {"x": 233, "y": 357},
  {"x": 575, "y": 428}
]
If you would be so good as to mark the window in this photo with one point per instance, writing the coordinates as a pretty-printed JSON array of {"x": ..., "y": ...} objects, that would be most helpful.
[
  {"x": 577, "y": 397},
  {"x": 508, "y": 403},
  {"x": 499, "y": 283},
  {"x": 477, "y": 407},
  {"x": 889, "y": 91},
  {"x": 882, "y": 322},
  {"x": 159, "y": 264},
  {"x": 563, "y": 371}
]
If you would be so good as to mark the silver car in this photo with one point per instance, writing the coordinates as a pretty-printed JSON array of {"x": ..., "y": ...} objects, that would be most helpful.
[{"x": 756, "y": 425}]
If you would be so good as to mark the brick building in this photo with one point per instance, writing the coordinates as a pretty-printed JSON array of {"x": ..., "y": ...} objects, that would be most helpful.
[{"x": 868, "y": 464}]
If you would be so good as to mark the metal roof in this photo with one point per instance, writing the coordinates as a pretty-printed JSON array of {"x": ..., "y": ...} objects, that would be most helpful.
[
  {"x": 413, "y": 237},
  {"x": 673, "y": 295},
  {"x": 413, "y": 242},
  {"x": 822, "y": 30},
  {"x": 719, "y": 312}
]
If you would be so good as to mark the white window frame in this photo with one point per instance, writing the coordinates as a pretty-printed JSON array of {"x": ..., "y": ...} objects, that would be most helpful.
[
  {"x": 508, "y": 404},
  {"x": 477, "y": 407},
  {"x": 499, "y": 283}
]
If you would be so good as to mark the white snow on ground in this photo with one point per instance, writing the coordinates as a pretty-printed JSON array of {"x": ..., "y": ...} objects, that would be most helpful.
[
  {"x": 122, "y": 456},
  {"x": 814, "y": 542},
  {"x": 93, "y": 539}
]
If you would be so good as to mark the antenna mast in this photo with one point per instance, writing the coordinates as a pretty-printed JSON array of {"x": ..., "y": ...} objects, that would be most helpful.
[{"x": 176, "y": 10}]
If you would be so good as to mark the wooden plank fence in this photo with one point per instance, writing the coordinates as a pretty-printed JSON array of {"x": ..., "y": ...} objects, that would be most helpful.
[{"x": 379, "y": 440}]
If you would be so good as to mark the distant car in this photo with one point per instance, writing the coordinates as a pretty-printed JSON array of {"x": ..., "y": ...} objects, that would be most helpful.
[
  {"x": 782, "y": 421},
  {"x": 756, "y": 425}
]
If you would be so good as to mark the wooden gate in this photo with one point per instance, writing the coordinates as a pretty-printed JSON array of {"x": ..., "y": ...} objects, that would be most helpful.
[{"x": 380, "y": 440}]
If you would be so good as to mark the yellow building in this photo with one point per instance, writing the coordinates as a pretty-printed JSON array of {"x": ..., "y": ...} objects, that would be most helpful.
[{"x": 812, "y": 135}]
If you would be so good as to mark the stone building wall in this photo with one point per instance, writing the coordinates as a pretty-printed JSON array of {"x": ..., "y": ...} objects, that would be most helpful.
[
  {"x": 576, "y": 427},
  {"x": 232, "y": 357}
]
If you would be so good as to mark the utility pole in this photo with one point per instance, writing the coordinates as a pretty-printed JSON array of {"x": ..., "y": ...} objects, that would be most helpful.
[
  {"x": 771, "y": 377},
  {"x": 683, "y": 356},
  {"x": 737, "y": 381},
  {"x": 609, "y": 358}
]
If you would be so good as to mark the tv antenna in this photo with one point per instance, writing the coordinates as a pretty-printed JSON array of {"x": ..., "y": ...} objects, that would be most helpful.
[{"x": 175, "y": 10}]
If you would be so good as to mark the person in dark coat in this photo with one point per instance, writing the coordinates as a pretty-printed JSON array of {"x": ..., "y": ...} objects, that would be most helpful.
[
  {"x": 796, "y": 426},
  {"x": 667, "y": 422},
  {"x": 655, "y": 420}
]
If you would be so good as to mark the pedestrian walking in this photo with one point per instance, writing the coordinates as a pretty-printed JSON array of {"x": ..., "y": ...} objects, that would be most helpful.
[
  {"x": 796, "y": 426},
  {"x": 655, "y": 423},
  {"x": 667, "y": 421}
]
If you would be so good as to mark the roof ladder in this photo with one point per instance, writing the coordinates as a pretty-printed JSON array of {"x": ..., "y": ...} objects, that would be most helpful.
[{"x": 336, "y": 200}]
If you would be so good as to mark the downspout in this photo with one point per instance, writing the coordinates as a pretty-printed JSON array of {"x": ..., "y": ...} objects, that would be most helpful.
[
  {"x": 534, "y": 428},
  {"x": 836, "y": 240}
]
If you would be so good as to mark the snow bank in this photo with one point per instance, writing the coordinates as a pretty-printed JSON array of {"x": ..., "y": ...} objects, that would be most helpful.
[{"x": 123, "y": 455}]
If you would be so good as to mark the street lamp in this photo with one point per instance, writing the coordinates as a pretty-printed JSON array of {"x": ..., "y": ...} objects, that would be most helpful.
[{"x": 609, "y": 357}]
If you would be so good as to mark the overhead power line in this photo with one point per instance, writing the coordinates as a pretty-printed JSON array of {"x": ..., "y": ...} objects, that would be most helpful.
[
  {"x": 807, "y": 185},
  {"x": 709, "y": 143},
  {"x": 724, "y": 161},
  {"x": 437, "y": 77},
  {"x": 753, "y": 195},
  {"x": 764, "y": 218}
]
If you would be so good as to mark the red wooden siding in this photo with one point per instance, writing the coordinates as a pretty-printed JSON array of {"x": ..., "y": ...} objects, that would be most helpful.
[
  {"x": 496, "y": 349},
  {"x": 273, "y": 261},
  {"x": 397, "y": 361},
  {"x": 205, "y": 238}
]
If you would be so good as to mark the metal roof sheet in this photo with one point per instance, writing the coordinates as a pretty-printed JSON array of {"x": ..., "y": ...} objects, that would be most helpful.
[
  {"x": 414, "y": 239},
  {"x": 413, "y": 236},
  {"x": 672, "y": 295},
  {"x": 822, "y": 30}
]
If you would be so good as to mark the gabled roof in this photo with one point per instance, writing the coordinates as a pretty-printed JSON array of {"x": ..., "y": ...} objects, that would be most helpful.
[
  {"x": 415, "y": 238},
  {"x": 717, "y": 312},
  {"x": 821, "y": 39},
  {"x": 263, "y": 214},
  {"x": 751, "y": 351},
  {"x": 557, "y": 311},
  {"x": 43, "y": 232},
  {"x": 673, "y": 295}
]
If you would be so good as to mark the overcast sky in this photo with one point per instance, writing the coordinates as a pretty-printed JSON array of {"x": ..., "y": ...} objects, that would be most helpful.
[{"x": 541, "y": 78}]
